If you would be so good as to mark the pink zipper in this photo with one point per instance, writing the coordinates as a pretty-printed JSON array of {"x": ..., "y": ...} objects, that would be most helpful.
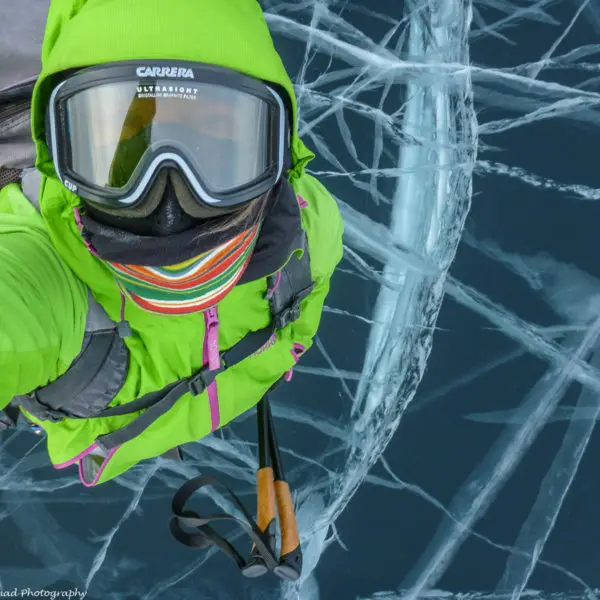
[{"x": 211, "y": 357}]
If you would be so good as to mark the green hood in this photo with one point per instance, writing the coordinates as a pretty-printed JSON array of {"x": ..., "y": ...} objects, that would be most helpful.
[{"x": 228, "y": 33}]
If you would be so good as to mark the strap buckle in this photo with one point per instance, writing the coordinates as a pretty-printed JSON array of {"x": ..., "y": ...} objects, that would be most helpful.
[
  {"x": 203, "y": 378},
  {"x": 292, "y": 313}
]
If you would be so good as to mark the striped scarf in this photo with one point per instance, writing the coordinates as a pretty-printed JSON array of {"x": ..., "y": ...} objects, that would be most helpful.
[{"x": 191, "y": 286}]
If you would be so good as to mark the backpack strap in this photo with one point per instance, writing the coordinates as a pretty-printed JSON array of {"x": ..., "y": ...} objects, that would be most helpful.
[
  {"x": 94, "y": 378},
  {"x": 290, "y": 286},
  {"x": 19, "y": 92},
  {"x": 156, "y": 404},
  {"x": 17, "y": 149}
]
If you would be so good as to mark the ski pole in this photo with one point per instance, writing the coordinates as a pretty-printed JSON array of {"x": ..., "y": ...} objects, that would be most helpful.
[
  {"x": 290, "y": 559},
  {"x": 265, "y": 490}
]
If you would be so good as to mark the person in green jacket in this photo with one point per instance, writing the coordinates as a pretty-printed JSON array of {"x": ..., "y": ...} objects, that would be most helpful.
[{"x": 138, "y": 277}]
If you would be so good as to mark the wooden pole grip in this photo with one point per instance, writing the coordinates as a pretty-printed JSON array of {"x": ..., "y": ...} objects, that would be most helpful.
[
  {"x": 265, "y": 514},
  {"x": 290, "y": 540}
]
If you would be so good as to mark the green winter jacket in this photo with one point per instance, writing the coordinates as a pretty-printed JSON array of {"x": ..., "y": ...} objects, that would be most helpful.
[{"x": 46, "y": 269}]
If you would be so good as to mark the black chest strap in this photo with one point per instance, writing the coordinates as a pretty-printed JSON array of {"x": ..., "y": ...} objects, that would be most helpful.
[{"x": 160, "y": 402}]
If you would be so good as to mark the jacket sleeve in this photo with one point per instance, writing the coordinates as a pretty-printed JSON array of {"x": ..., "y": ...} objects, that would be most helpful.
[
  {"x": 324, "y": 228},
  {"x": 43, "y": 305}
]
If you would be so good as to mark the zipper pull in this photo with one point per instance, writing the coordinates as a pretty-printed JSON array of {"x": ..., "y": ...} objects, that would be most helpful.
[
  {"x": 211, "y": 317},
  {"x": 211, "y": 321}
]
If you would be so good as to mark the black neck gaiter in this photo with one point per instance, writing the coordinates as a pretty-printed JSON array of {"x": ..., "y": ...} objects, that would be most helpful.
[{"x": 280, "y": 226}]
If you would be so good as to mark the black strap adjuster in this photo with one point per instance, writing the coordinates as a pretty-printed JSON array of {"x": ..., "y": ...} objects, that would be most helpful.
[
  {"x": 203, "y": 378},
  {"x": 292, "y": 313}
]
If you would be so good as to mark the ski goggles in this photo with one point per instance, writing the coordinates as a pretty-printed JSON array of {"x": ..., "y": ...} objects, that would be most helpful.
[{"x": 111, "y": 129}]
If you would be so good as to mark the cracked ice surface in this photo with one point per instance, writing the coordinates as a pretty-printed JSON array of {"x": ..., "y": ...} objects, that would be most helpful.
[{"x": 407, "y": 484}]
